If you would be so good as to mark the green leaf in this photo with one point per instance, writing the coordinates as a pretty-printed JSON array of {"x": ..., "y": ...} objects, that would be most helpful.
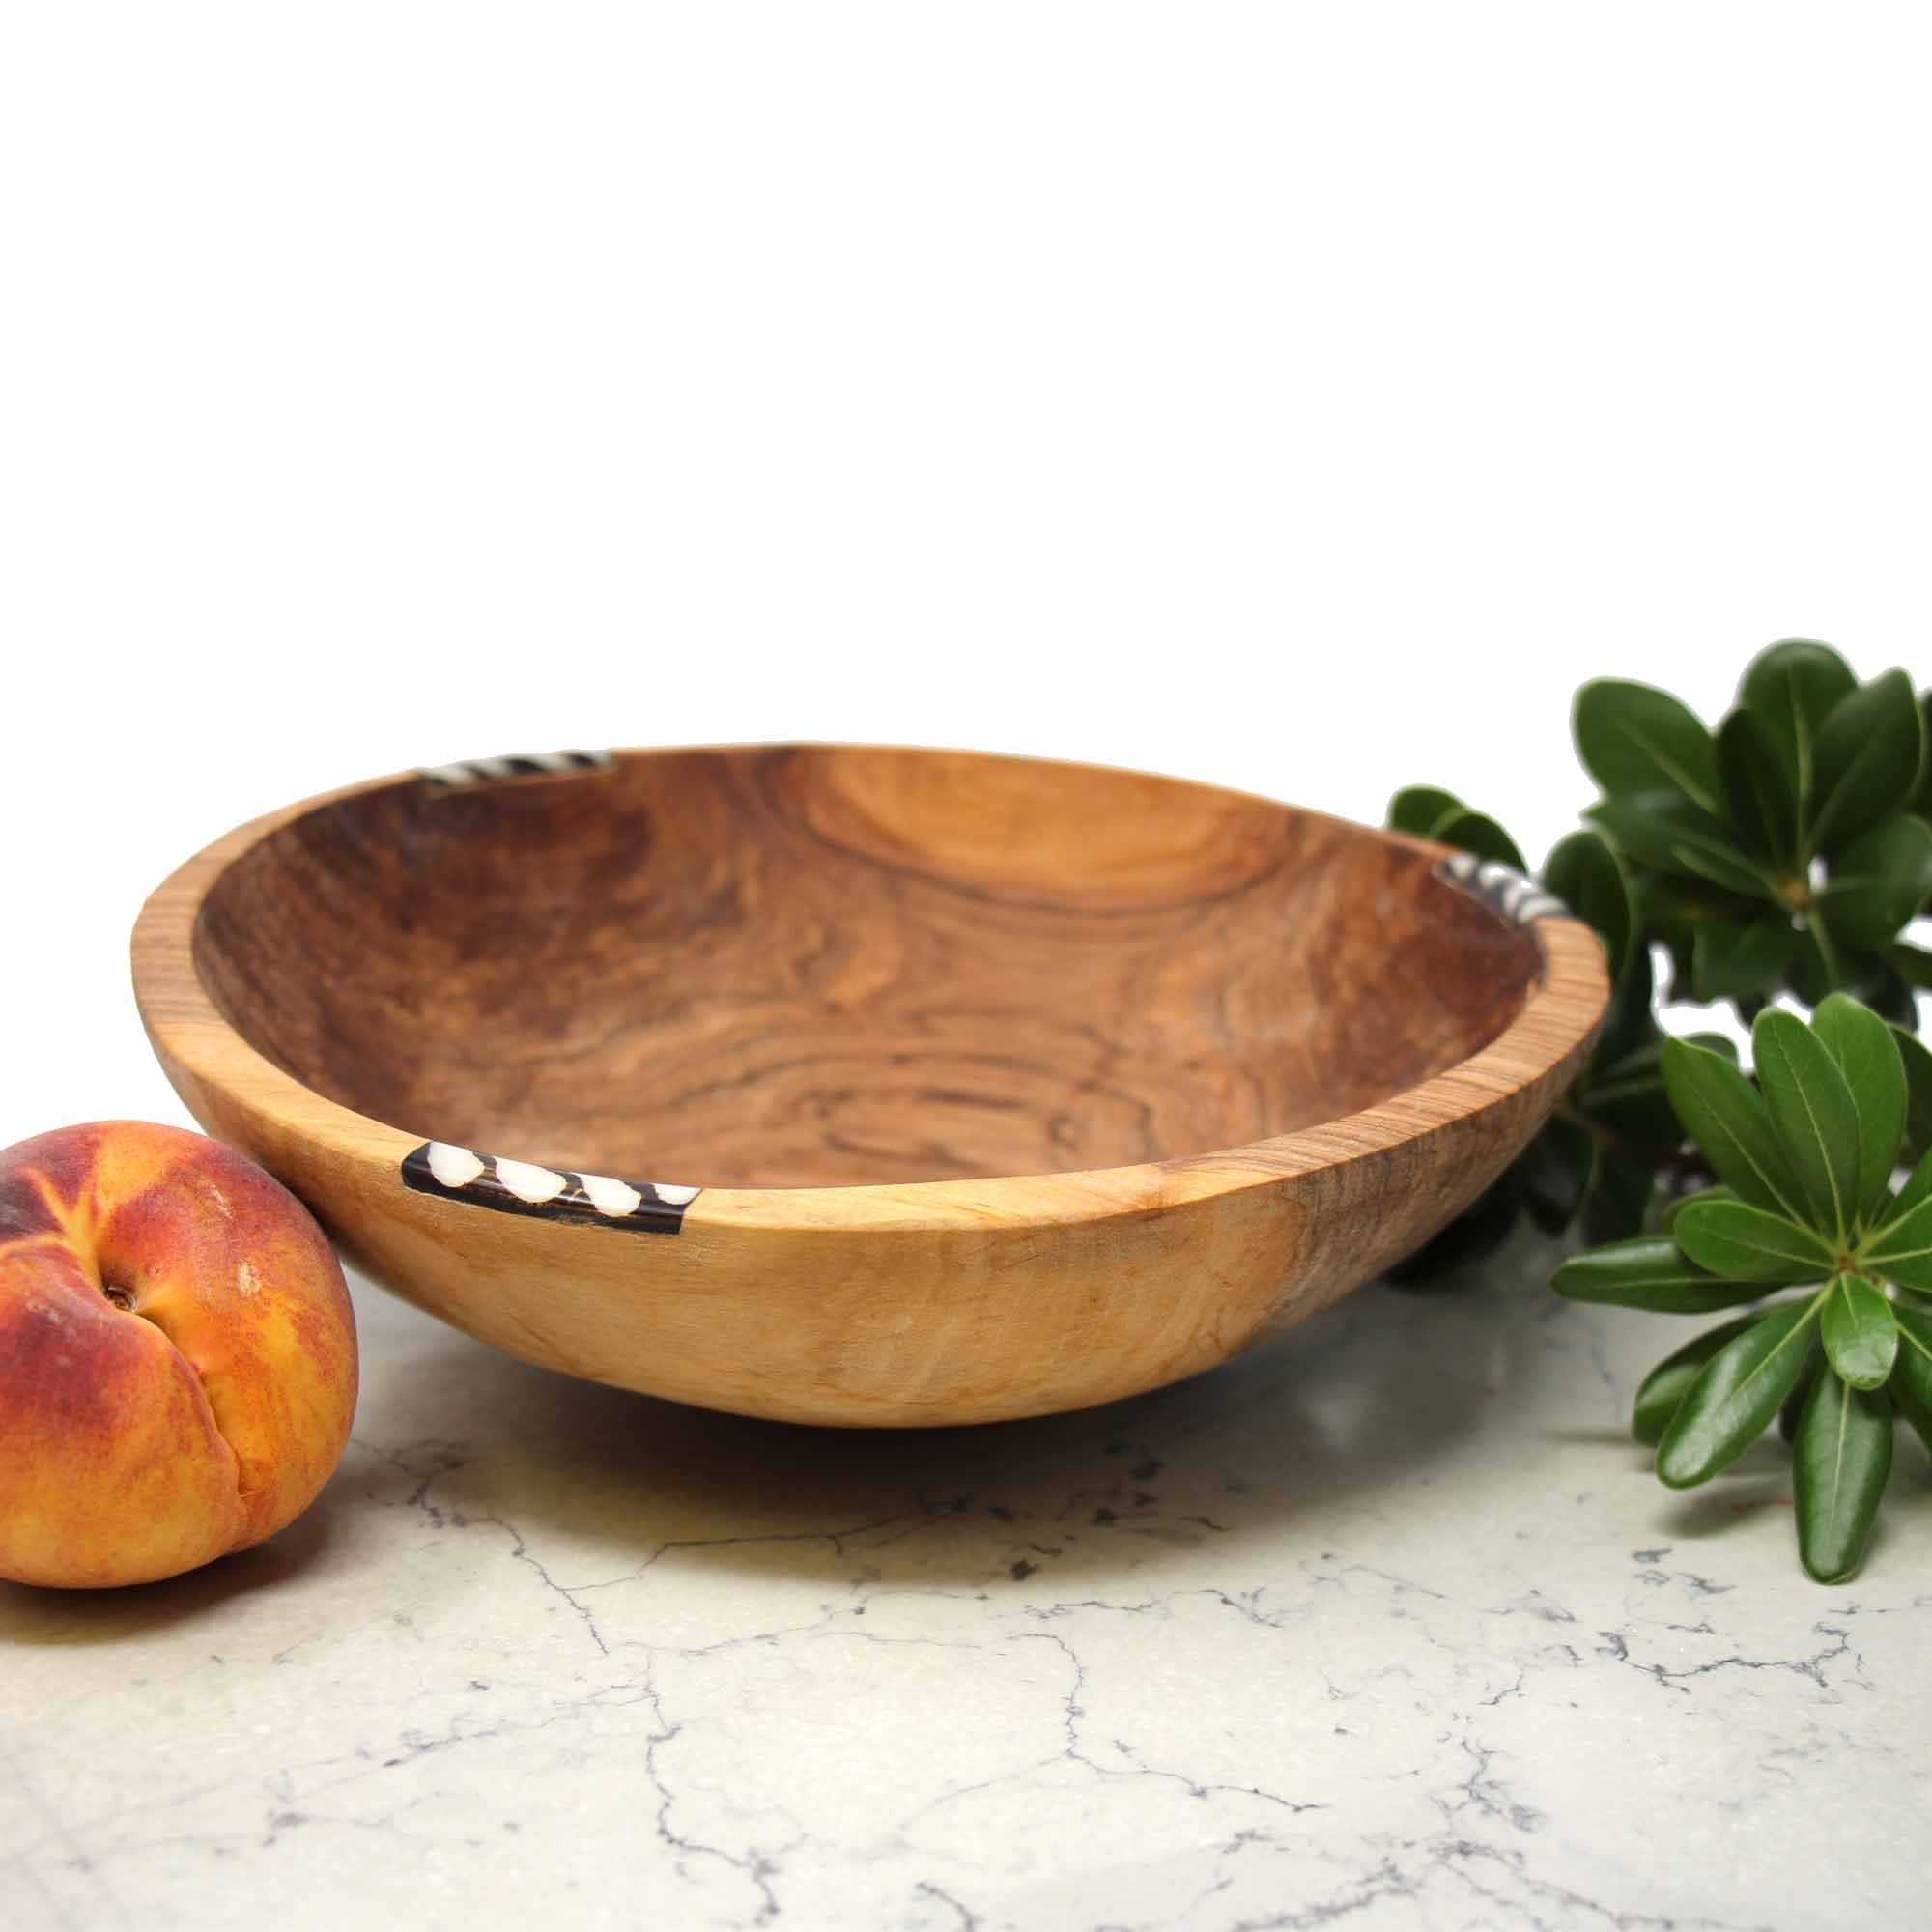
[
  {"x": 1683, "y": 1200},
  {"x": 1879, "y": 882},
  {"x": 1762, "y": 795},
  {"x": 1733, "y": 962},
  {"x": 1418, "y": 810},
  {"x": 1584, "y": 873},
  {"x": 1475, "y": 832},
  {"x": 1650, "y": 1272},
  {"x": 1901, "y": 1250},
  {"x": 1634, "y": 738},
  {"x": 1790, "y": 689},
  {"x": 1911, "y": 1374},
  {"x": 1617, "y": 1201},
  {"x": 1723, "y": 1113},
  {"x": 1792, "y": 1408},
  {"x": 1555, "y": 1169},
  {"x": 1816, "y": 1118},
  {"x": 1862, "y": 1045},
  {"x": 1628, "y": 1098},
  {"x": 1916, "y": 1194},
  {"x": 1671, "y": 910},
  {"x": 1671, "y": 835},
  {"x": 1921, "y": 797},
  {"x": 1745, "y": 1243},
  {"x": 1824, "y": 964},
  {"x": 1915, "y": 1411},
  {"x": 1843, "y": 1458},
  {"x": 1861, "y": 1337},
  {"x": 1719, "y": 1044},
  {"x": 1917, "y": 1062},
  {"x": 1735, "y": 1396},
  {"x": 1869, "y": 752},
  {"x": 1664, "y": 1389},
  {"x": 1817, "y": 968},
  {"x": 1629, "y": 1020},
  {"x": 1912, "y": 963},
  {"x": 1428, "y": 812},
  {"x": 1877, "y": 981}
]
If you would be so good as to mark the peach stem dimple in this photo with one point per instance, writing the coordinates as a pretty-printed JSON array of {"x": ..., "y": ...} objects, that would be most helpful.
[{"x": 120, "y": 1298}]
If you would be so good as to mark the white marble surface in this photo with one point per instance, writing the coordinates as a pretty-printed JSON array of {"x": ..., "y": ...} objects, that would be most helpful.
[{"x": 1385, "y": 1627}]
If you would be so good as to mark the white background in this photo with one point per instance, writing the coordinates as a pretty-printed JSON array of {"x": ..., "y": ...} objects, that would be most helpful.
[{"x": 1304, "y": 398}]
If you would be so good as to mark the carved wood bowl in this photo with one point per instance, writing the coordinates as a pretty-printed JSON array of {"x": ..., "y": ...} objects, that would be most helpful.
[{"x": 860, "y": 1086}]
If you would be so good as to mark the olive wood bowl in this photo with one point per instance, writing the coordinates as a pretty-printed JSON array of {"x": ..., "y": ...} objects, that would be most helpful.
[{"x": 860, "y": 1086}]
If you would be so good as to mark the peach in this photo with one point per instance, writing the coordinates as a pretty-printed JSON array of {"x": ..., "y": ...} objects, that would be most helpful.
[{"x": 177, "y": 1355}]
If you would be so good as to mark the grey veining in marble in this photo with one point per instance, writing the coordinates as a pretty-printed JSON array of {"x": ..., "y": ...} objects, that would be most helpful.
[{"x": 1385, "y": 1627}]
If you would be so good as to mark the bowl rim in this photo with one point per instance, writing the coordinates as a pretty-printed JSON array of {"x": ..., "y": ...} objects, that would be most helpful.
[{"x": 1553, "y": 1028}]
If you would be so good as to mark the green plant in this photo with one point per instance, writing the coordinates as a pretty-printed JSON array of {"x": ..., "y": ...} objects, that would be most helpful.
[
  {"x": 1805, "y": 1160},
  {"x": 1778, "y": 853},
  {"x": 1783, "y": 853}
]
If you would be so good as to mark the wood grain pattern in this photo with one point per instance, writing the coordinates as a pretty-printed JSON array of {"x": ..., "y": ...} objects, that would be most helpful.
[{"x": 1011, "y": 1086}]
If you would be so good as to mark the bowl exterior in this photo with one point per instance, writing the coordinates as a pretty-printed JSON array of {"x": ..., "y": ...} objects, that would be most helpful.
[
  {"x": 929, "y": 1304},
  {"x": 940, "y": 1303}
]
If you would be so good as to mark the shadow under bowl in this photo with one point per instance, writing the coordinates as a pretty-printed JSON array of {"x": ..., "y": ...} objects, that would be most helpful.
[{"x": 855, "y": 1085}]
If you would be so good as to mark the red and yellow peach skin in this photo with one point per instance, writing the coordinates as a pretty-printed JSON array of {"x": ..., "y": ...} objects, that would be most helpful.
[{"x": 178, "y": 1366}]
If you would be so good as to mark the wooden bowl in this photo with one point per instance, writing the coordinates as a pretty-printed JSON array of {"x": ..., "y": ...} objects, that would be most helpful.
[{"x": 860, "y": 1086}]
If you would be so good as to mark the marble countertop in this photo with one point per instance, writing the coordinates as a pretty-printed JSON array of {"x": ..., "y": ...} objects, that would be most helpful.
[{"x": 1386, "y": 1625}]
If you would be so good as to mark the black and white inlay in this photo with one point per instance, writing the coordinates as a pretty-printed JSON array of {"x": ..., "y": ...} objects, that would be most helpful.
[
  {"x": 1500, "y": 887},
  {"x": 520, "y": 765},
  {"x": 519, "y": 1187}
]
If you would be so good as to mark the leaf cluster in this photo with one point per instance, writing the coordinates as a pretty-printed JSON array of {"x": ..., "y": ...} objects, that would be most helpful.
[
  {"x": 1805, "y": 1159},
  {"x": 1783, "y": 852}
]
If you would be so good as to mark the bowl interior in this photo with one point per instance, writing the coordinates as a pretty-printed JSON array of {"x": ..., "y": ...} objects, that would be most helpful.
[{"x": 826, "y": 966}]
